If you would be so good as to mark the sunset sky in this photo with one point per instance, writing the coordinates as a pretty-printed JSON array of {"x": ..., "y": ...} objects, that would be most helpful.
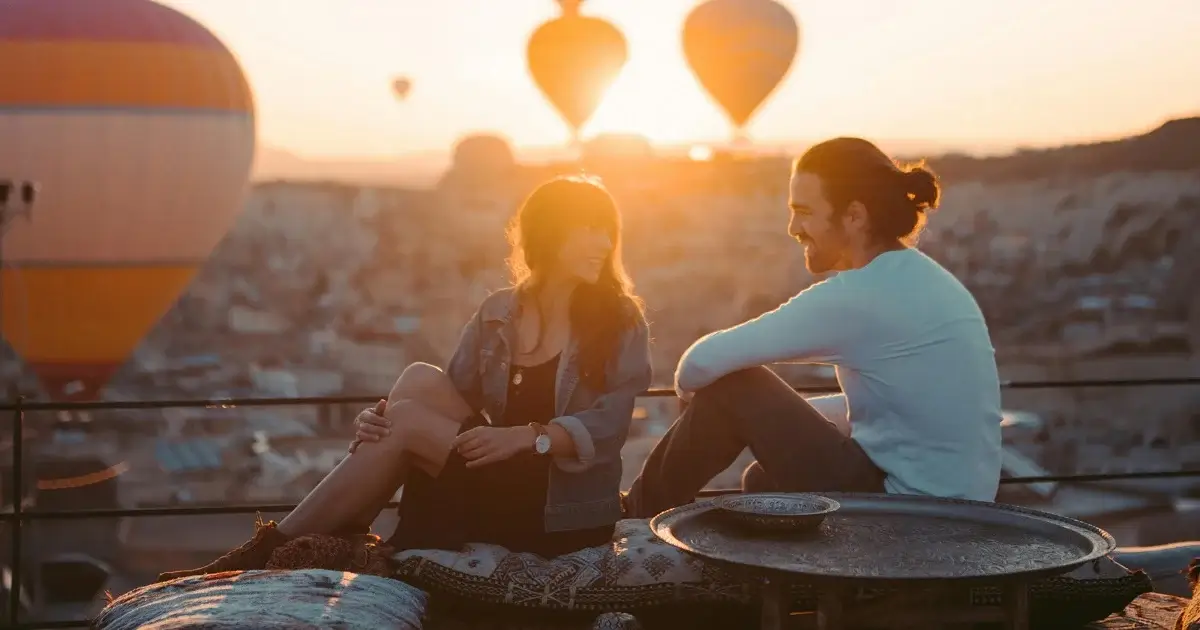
[{"x": 968, "y": 72}]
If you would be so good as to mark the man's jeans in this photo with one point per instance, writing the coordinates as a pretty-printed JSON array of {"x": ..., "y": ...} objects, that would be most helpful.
[{"x": 796, "y": 448}]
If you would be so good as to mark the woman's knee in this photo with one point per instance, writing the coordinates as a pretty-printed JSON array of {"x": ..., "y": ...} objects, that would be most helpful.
[
  {"x": 418, "y": 381},
  {"x": 409, "y": 422},
  {"x": 419, "y": 430},
  {"x": 430, "y": 386}
]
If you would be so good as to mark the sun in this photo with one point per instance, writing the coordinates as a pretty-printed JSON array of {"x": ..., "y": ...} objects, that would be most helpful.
[{"x": 657, "y": 98}]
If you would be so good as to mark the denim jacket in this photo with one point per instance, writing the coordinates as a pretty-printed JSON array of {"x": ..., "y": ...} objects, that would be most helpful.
[{"x": 584, "y": 488}]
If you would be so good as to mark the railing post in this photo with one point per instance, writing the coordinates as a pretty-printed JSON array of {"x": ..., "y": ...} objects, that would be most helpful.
[{"x": 14, "y": 583}]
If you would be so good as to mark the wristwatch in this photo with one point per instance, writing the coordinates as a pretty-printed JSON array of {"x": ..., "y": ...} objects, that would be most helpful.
[{"x": 541, "y": 443}]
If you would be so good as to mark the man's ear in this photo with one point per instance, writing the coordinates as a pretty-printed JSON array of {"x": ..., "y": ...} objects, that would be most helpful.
[{"x": 856, "y": 216}]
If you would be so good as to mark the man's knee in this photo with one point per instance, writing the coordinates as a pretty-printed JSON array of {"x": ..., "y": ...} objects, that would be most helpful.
[
  {"x": 735, "y": 384},
  {"x": 756, "y": 479}
]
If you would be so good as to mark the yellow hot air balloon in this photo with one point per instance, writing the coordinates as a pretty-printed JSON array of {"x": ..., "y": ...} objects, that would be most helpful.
[
  {"x": 739, "y": 51},
  {"x": 574, "y": 59},
  {"x": 138, "y": 126}
]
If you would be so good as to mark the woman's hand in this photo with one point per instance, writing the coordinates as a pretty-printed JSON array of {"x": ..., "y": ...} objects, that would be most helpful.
[
  {"x": 487, "y": 445},
  {"x": 370, "y": 425}
]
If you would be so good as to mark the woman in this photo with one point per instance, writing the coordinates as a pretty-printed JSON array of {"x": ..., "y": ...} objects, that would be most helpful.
[{"x": 518, "y": 442}]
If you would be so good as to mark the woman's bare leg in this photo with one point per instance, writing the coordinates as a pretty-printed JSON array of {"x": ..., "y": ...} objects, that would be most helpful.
[
  {"x": 426, "y": 412},
  {"x": 432, "y": 389},
  {"x": 429, "y": 386}
]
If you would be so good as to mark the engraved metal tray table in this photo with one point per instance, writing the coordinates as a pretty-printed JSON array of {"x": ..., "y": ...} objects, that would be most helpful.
[{"x": 893, "y": 541}]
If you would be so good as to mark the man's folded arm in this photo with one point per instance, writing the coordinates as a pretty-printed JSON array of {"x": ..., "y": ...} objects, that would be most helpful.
[{"x": 811, "y": 327}]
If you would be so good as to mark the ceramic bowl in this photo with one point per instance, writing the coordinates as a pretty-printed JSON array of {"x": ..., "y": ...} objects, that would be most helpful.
[{"x": 777, "y": 512}]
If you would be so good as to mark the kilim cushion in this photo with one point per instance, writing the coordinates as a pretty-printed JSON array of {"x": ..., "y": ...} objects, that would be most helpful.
[{"x": 637, "y": 571}]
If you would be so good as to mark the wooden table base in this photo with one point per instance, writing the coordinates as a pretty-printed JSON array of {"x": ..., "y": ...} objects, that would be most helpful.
[
  {"x": 911, "y": 608},
  {"x": 777, "y": 604}
]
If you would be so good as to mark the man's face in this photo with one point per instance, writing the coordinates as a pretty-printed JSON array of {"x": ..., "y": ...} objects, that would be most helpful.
[{"x": 815, "y": 224}]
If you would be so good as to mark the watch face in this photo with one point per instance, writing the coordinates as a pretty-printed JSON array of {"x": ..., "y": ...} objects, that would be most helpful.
[{"x": 542, "y": 444}]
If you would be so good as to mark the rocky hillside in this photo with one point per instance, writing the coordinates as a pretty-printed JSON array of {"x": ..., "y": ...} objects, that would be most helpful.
[{"x": 1059, "y": 245}]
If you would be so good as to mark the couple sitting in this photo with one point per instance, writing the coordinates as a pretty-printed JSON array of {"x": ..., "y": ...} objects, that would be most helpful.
[{"x": 518, "y": 443}]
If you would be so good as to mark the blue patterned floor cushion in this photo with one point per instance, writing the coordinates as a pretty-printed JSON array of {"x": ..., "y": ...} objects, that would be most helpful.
[
  {"x": 637, "y": 571},
  {"x": 268, "y": 600}
]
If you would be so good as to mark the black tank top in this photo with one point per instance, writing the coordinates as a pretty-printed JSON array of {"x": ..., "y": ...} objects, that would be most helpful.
[{"x": 503, "y": 503}]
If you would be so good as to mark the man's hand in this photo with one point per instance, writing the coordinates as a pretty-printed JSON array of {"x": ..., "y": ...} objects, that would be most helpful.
[
  {"x": 685, "y": 396},
  {"x": 487, "y": 445}
]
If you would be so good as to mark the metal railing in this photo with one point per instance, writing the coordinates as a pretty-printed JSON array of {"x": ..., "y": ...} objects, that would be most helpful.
[{"x": 19, "y": 516}]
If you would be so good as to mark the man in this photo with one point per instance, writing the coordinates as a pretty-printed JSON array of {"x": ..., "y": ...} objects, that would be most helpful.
[{"x": 908, "y": 340}]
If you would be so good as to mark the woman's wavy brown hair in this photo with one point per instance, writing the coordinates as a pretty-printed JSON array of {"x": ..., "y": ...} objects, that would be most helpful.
[{"x": 599, "y": 312}]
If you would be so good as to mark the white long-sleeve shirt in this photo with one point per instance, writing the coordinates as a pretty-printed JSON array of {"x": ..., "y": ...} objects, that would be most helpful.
[{"x": 913, "y": 356}]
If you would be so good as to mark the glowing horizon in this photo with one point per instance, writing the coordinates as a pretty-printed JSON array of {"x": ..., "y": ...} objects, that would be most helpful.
[{"x": 1018, "y": 73}]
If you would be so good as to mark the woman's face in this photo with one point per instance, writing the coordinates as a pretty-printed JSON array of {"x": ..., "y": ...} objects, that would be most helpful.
[{"x": 584, "y": 253}]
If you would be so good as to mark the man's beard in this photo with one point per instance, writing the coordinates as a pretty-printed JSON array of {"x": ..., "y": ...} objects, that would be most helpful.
[{"x": 817, "y": 260}]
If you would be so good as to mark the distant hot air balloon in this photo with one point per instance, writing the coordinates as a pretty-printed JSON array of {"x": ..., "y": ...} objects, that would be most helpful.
[
  {"x": 138, "y": 126},
  {"x": 740, "y": 50},
  {"x": 401, "y": 87},
  {"x": 574, "y": 59}
]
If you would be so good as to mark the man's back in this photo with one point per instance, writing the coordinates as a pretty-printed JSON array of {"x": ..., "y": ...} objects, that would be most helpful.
[
  {"x": 920, "y": 377},
  {"x": 913, "y": 358}
]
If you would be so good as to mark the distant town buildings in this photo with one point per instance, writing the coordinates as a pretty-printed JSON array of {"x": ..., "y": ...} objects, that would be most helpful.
[{"x": 327, "y": 289}]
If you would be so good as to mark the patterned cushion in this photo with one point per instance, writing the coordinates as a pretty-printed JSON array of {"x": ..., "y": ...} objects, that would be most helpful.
[
  {"x": 448, "y": 618},
  {"x": 1093, "y": 591},
  {"x": 1152, "y": 611},
  {"x": 266, "y": 600},
  {"x": 638, "y": 571},
  {"x": 1189, "y": 618}
]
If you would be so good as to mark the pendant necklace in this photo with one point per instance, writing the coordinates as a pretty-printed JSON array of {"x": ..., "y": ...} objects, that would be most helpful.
[{"x": 518, "y": 377}]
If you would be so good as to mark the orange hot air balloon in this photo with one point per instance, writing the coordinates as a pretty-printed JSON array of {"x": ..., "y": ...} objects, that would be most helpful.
[
  {"x": 138, "y": 126},
  {"x": 739, "y": 51},
  {"x": 574, "y": 59}
]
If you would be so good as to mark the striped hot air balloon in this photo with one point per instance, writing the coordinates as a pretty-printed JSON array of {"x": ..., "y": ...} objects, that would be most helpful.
[{"x": 138, "y": 126}]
